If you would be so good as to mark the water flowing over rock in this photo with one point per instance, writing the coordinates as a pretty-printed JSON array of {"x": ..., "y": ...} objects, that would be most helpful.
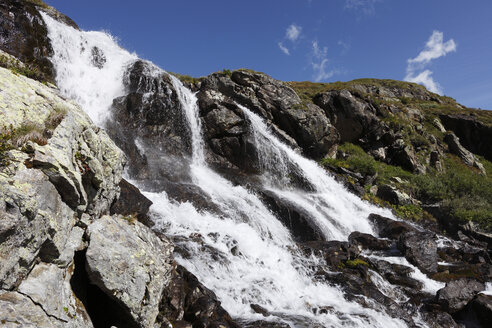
[{"x": 223, "y": 218}]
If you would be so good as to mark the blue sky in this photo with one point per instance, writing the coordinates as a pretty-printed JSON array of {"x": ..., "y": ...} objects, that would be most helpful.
[{"x": 444, "y": 44}]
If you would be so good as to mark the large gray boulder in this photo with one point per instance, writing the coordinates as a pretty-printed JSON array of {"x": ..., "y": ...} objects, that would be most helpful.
[
  {"x": 46, "y": 184},
  {"x": 130, "y": 264},
  {"x": 457, "y": 293}
]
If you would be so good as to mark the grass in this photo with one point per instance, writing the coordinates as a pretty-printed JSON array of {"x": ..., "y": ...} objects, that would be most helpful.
[
  {"x": 187, "y": 78},
  {"x": 5, "y": 145},
  {"x": 19, "y": 68},
  {"x": 307, "y": 90},
  {"x": 38, "y": 3},
  {"x": 465, "y": 194}
]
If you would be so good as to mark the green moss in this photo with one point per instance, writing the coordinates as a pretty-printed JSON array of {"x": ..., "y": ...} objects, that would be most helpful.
[
  {"x": 227, "y": 72},
  {"x": 131, "y": 219},
  {"x": 355, "y": 263}
]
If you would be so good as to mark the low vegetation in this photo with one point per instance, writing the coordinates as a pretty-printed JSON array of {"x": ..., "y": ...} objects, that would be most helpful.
[
  {"x": 465, "y": 194},
  {"x": 20, "y": 68}
]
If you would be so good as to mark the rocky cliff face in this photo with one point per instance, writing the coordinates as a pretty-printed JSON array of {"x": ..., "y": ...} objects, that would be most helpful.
[
  {"x": 75, "y": 244},
  {"x": 65, "y": 262}
]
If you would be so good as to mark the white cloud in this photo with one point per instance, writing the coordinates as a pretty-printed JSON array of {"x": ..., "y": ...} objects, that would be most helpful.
[
  {"x": 319, "y": 63},
  {"x": 367, "y": 7},
  {"x": 425, "y": 79},
  {"x": 434, "y": 49},
  {"x": 284, "y": 49},
  {"x": 293, "y": 32}
]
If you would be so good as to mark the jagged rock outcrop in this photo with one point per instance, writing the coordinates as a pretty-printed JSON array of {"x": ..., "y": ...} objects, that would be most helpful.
[
  {"x": 457, "y": 293},
  {"x": 150, "y": 117},
  {"x": 303, "y": 125},
  {"x": 473, "y": 134},
  {"x": 23, "y": 34},
  {"x": 130, "y": 263},
  {"x": 60, "y": 175},
  {"x": 466, "y": 156}
]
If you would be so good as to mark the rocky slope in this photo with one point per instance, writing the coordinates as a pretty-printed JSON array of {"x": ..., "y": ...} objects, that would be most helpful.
[
  {"x": 65, "y": 261},
  {"x": 75, "y": 244}
]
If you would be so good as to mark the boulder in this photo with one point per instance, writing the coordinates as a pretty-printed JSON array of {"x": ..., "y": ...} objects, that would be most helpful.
[
  {"x": 388, "y": 228},
  {"x": 186, "y": 301},
  {"x": 367, "y": 241},
  {"x": 17, "y": 310},
  {"x": 458, "y": 293},
  {"x": 150, "y": 121},
  {"x": 420, "y": 249},
  {"x": 393, "y": 195},
  {"x": 131, "y": 202},
  {"x": 48, "y": 280},
  {"x": 482, "y": 306},
  {"x": 130, "y": 264},
  {"x": 351, "y": 116}
]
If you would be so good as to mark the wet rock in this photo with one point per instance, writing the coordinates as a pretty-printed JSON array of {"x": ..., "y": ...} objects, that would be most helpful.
[
  {"x": 367, "y": 241},
  {"x": 186, "y": 301},
  {"x": 420, "y": 249},
  {"x": 457, "y": 293},
  {"x": 482, "y": 306},
  {"x": 265, "y": 324},
  {"x": 305, "y": 125},
  {"x": 259, "y": 309},
  {"x": 149, "y": 119},
  {"x": 334, "y": 252},
  {"x": 24, "y": 35},
  {"x": 131, "y": 202},
  {"x": 387, "y": 228},
  {"x": 396, "y": 273},
  {"x": 436, "y": 319},
  {"x": 294, "y": 218},
  {"x": 130, "y": 264}
]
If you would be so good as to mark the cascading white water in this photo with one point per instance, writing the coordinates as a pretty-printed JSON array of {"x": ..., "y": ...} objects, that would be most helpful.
[
  {"x": 89, "y": 67},
  {"x": 337, "y": 211},
  {"x": 245, "y": 255}
]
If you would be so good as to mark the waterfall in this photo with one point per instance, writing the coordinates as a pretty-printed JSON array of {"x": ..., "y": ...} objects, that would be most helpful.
[
  {"x": 89, "y": 67},
  {"x": 337, "y": 211},
  {"x": 245, "y": 255}
]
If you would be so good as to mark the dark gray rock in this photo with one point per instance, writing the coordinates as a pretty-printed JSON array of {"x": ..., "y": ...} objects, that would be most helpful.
[
  {"x": 474, "y": 135},
  {"x": 393, "y": 195},
  {"x": 131, "y": 202},
  {"x": 420, "y": 249},
  {"x": 351, "y": 116},
  {"x": 24, "y": 35},
  {"x": 367, "y": 241},
  {"x": 466, "y": 156},
  {"x": 458, "y": 293},
  {"x": 388, "y": 228}
]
